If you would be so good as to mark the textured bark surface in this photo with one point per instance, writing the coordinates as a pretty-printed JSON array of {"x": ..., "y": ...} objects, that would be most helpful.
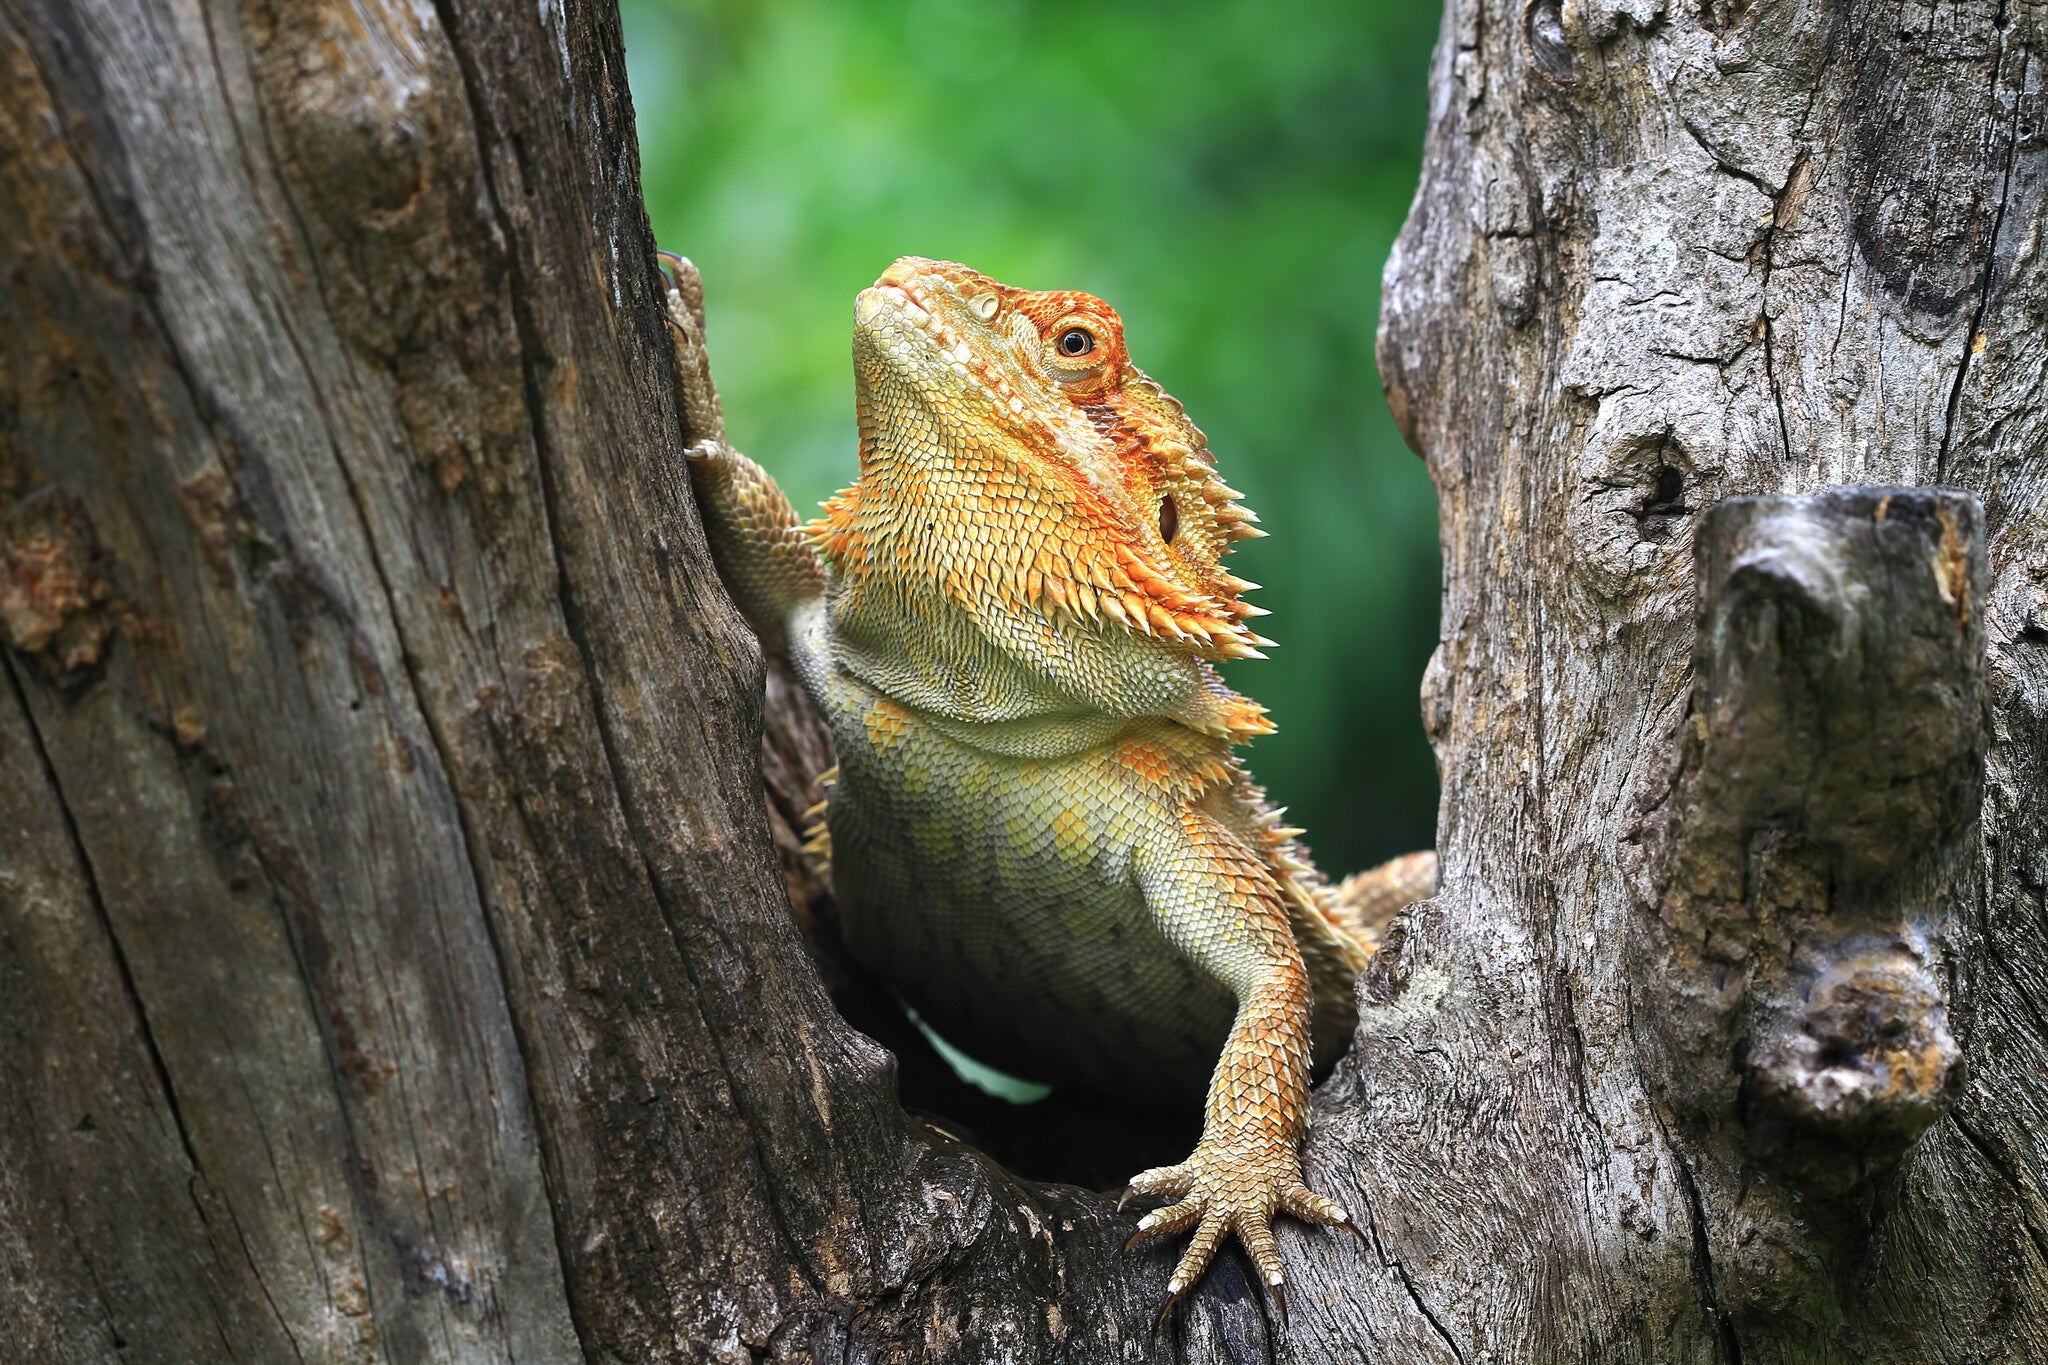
[
  {"x": 395, "y": 962},
  {"x": 1711, "y": 875}
]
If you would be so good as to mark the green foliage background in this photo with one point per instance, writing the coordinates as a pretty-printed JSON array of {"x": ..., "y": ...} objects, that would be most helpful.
[{"x": 1228, "y": 176}]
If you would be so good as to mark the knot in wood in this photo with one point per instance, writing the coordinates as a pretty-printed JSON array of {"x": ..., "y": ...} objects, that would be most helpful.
[{"x": 1823, "y": 823}]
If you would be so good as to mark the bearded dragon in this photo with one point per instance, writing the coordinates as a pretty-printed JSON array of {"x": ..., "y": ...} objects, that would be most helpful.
[{"x": 1038, "y": 829}]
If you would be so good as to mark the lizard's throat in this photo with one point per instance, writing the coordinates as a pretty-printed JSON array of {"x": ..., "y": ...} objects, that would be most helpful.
[{"x": 1026, "y": 571}]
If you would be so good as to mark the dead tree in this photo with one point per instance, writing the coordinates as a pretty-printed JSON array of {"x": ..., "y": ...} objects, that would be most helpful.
[{"x": 395, "y": 963}]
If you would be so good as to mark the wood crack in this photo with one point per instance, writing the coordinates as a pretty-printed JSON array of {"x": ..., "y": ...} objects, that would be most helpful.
[
  {"x": 133, "y": 995},
  {"x": 2012, "y": 143},
  {"x": 1728, "y": 1345},
  {"x": 1414, "y": 1295},
  {"x": 2002, "y": 1164},
  {"x": 129, "y": 992},
  {"x": 1765, "y": 249}
]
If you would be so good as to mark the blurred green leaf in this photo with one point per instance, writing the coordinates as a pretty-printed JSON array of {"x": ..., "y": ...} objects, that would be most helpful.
[{"x": 1228, "y": 176}]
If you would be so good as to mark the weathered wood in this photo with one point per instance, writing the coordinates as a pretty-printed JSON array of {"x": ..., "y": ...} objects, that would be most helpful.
[
  {"x": 402, "y": 967},
  {"x": 394, "y": 957},
  {"x": 1795, "y": 958},
  {"x": 1662, "y": 255}
]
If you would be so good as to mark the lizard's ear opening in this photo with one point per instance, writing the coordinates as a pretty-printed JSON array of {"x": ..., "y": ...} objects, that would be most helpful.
[
  {"x": 1151, "y": 565},
  {"x": 1168, "y": 580}
]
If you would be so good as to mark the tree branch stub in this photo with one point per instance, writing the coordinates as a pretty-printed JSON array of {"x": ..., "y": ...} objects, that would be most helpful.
[{"x": 1822, "y": 827}]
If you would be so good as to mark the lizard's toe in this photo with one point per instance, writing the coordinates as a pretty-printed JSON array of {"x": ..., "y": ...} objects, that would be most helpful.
[
  {"x": 1311, "y": 1207},
  {"x": 1255, "y": 1230},
  {"x": 1201, "y": 1250},
  {"x": 679, "y": 274},
  {"x": 1165, "y": 1222},
  {"x": 683, "y": 310},
  {"x": 1194, "y": 1262},
  {"x": 1169, "y": 1181}
]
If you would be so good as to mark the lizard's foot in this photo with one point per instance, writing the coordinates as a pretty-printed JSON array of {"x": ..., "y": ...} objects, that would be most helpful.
[{"x": 1224, "y": 1188}]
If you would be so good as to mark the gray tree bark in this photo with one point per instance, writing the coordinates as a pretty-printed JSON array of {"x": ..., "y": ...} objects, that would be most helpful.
[
  {"x": 1725, "y": 1039},
  {"x": 395, "y": 961}
]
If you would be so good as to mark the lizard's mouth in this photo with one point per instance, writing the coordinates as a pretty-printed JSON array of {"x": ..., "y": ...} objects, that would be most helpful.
[
  {"x": 930, "y": 327},
  {"x": 919, "y": 298},
  {"x": 928, "y": 342}
]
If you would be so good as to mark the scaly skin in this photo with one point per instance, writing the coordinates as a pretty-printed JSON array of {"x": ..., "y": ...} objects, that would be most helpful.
[{"x": 1038, "y": 829}]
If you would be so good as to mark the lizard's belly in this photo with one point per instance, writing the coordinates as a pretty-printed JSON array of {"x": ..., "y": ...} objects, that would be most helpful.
[{"x": 998, "y": 895}]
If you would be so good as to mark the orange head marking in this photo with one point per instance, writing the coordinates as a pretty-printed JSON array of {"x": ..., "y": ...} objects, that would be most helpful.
[{"x": 1010, "y": 451}]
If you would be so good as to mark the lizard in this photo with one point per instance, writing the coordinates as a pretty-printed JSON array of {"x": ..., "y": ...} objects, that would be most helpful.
[{"x": 1038, "y": 829}]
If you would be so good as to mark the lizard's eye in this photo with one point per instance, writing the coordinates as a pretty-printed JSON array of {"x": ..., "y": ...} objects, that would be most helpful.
[
  {"x": 1076, "y": 341},
  {"x": 1169, "y": 519}
]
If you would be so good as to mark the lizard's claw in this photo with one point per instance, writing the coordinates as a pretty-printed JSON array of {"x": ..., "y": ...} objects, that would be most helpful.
[
  {"x": 684, "y": 285},
  {"x": 1165, "y": 1306},
  {"x": 1311, "y": 1207},
  {"x": 683, "y": 310},
  {"x": 1223, "y": 1190}
]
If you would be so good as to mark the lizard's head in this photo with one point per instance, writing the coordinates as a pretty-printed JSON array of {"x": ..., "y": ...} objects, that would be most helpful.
[{"x": 1022, "y": 456}]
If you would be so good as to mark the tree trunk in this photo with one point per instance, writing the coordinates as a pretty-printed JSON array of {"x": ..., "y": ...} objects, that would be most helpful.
[
  {"x": 395, "y": 963},
  {"x": 1673, "y": 1073}
]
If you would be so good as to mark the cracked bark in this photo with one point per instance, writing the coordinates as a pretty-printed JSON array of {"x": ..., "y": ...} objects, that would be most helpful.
[
  {"x": 1795, "y": 1010},
  {"x": 395, "y": 962}
]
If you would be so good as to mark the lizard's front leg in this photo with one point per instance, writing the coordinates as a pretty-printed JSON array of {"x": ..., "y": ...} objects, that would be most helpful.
[
  {"x": 1216, "y": 901},
  {"x": 769, "y": 568}
]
